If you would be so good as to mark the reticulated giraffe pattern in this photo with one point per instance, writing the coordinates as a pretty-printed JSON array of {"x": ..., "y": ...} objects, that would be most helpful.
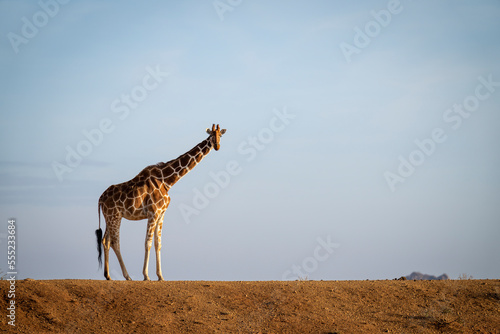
[{"x": 146, "y": 197}]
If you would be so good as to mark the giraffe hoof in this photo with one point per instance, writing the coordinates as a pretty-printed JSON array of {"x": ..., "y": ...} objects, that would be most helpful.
[
  {"x": 147, "y": 279},
  {"x": 129, "y": 279}
]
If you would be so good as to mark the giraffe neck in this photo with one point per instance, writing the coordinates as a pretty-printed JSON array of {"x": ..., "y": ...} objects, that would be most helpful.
[{"x": 175, "y": 169}]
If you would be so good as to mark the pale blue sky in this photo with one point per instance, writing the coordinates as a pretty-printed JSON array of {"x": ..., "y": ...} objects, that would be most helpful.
[{"x": 320, "y": 175}]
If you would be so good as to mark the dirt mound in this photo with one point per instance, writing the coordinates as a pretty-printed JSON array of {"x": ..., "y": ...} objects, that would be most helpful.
[{"x": 88, "y": 306}]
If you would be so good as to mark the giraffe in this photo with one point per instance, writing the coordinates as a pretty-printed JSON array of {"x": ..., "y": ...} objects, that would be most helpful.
[{"x": 146, "y": 197}]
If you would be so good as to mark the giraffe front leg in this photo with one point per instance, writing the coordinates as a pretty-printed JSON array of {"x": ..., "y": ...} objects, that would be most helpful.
[
  {"x": 146, "y": 260},
  {"x": 148, "y": 243},
  {"x": 158, "y": 248}
]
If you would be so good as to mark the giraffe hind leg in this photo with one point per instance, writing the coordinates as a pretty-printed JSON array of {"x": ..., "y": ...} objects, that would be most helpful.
[
  {"x": 106, "y": 242},
  {"x": 115, "y": 244},
  {"x": 112, "y": 240}
]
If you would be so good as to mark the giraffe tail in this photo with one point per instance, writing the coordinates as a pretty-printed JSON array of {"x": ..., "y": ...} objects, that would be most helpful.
[{"x": 98, "y": 234}]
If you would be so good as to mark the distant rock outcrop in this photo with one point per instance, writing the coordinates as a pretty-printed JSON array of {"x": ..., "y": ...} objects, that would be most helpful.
[{"x": 419, "y": 276}]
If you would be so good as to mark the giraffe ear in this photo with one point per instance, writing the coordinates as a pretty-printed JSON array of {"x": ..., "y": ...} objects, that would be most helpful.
[
  {"x": 209, "y": 131},
  {"x": 223, "y": 131}
]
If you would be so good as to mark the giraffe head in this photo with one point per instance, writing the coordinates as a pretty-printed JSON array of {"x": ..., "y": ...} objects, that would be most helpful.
[{"x": 215, "y": 135}]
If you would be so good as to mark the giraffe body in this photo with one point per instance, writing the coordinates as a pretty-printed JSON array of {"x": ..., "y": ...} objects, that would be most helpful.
[{"x": 146, "y": 197}]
